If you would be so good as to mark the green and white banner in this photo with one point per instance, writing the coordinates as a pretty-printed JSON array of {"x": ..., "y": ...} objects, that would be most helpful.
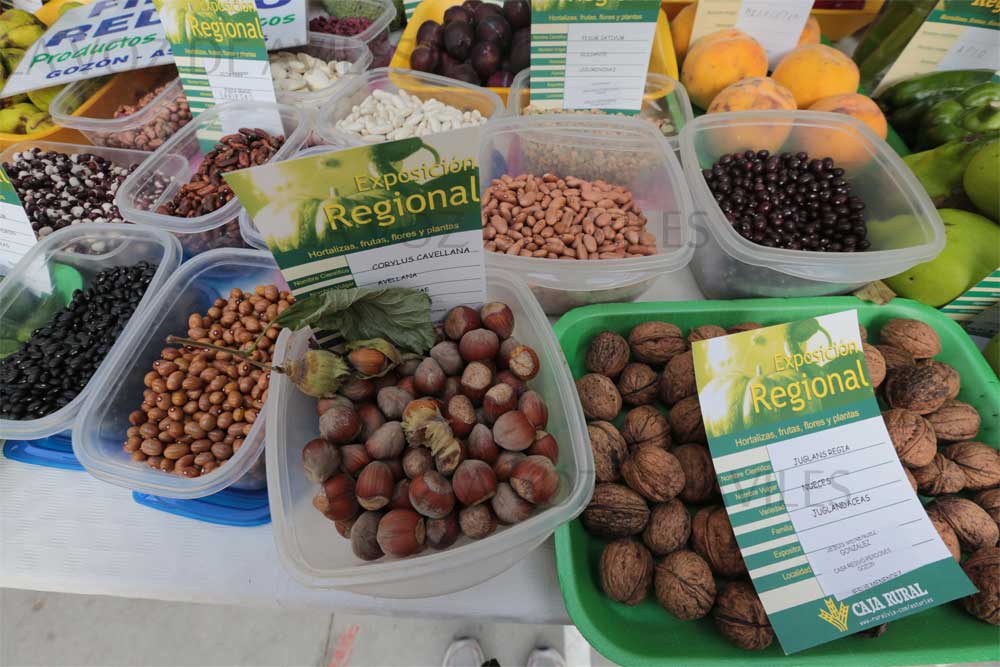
[
  {"x": 834, "y": 538},
  {"x": 16, "y": 235}
]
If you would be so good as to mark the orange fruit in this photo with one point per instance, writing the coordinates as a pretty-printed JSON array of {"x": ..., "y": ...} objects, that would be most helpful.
[
  {"x": 718, "y": 60},
  {"x": 815, "y": 71},
  {"x": 810, "y": 33},
  {"x": 857, "y": 106},
  {"x": 753, "y": 94}
]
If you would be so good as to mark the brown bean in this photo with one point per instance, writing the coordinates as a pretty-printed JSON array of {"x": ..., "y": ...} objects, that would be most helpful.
[
  {"x": 176, "y": 451},
  {"x": 151, "y": 447},
  {"x": 199, "y": 446},
  {"x": 222, "y": 451}
]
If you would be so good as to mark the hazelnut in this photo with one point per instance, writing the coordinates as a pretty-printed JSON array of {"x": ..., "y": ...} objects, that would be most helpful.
[
  {"x": 358, "y": 390},
  {"x": 505, "y": 463},
  {"x": 401, "y": 533},
  {"x": 656, "y": 342},
  {"x": 983, "y": 569},
  {"x": 479, "y": 345},
  {"x": 895, "y": 358},
  {"x": 535, "y": 479},
  {"x": 387, "y": 442},
  {"x": 459, "y": 321},
  {"x": 339, "y": 425},
  {"x": 499, "y": 399},
  {"x": 461, "y": 415},
  {"x": 654, "y": 473},
  {"x": 948, "y": 536},
  {"x": 615, "y": 511},
  {"x": 544, "y": 445},
  {"x": 448, "y": 358},
  {"x": 481, "y": 446},
  {"x": 396, "y": 467},
  {"x": 371, "y": 418},
  {"x": 417, "y": 461},
  {"x": 401, "y": 496},
  {"x": 684, "y": 585},
  {"x": 989, "y": 500},
  {"x": 669, "y": 527},
  {"x": 610, "y": 451},
  {"x": 388, "y": 380},
  {"x": 343, "y": 527},
  {"x": 452, "y": 387},
  {"x": 364, "y": 536},
  {"x": 513, "y": 431},
  {"x": 950, "y": 375},
  {"x": 599, "y": 397},
  {"x": 523, "y": 363},
  {"x": 506, "y": 349},
  {"x": 744, "y": 326},
  {"x": 408, "y": 384},
  {"x": 476, "y": 379},
  {"x": 498, "y": 318},
  {"x": 442, "y": 533},
  {"x": 713, "y": 538},
  {"x": 506, "y": 377},
  {"x": 741, "y": 618},
  {"x": 509, "y": 507},
  {"x": 939, "y": 477},
  {"x": 699, "y": 473},
  {"x": 392, "y": 401},
  {"x": 920, "y": 389},
  {"x": 320, "y": 459},
  {"x": 914, "y": 336},
  {"x": 375, "y": 486},
  {"x": 979, "y": 462},
  {"x": 353, "y": 458},
  {"x": 704, "y": 332},
  {"x": 686, "y": 422},
  {"x": 324, "y": 404},
  {"x": 408, "y": 367},
  {"x": 447, "y": 462},
  {"x": 973, "y": 526},
  {"x": 429, "y": 378},
  {"x": 626, "y": 571},
  {"x": 645, "y": 426},
  {"x": 608, "y": 354},
  {"x": 477, "y": 522},
  {"x": 954, "y": 421},
  {"x": 875, "y": 363},
  {"x": 431, "y": 495},
  {"x": 474, "y": 482},
  {"x": 638, "y": 384},
  {"x": 677, "y": 380},
  {"x": 912, "y": 437},
  {"x": 339, "y": 500}
]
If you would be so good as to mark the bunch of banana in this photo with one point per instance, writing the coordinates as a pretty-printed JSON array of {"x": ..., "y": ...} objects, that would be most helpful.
[{"x": 22, "y": 114}]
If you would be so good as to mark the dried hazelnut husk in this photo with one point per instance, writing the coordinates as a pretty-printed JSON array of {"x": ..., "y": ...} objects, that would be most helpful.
[
  {"x": 741, "y": 618},
  {"x": 608, "y": 354},
  {"x": 875, "y": 363},
  {"x": 686, "y": 422},
  {"x": 684, "y": 585},
  {"x": 699, "y": 473},
  {"x": 655, "y": 342},
  {"x": 599, "y": 397},
  {"x": 678, "y": 379},
  {"x": 948, "y": 536},
  {"x": 645, "y": 426},
  {"x": 713, "y": 539},
  {"x": 669, "y": 527},
  {"x": 920, "y": 389},
  {"x": 704, "y": 332},
  {"x": 914, "y": 336},
  {"x": 654, "y": 473},
  {"x": 983, "y": 569},
  {"x": 509, "y": 507},
  {"x": 979, "y": 462},
  {"x": 637, "y": 384},
  {"x": 364, "y": 534},
  {"x": 615, "y": 511},
  {"x": 477, "y": 521},
  {"x": 912, "y": 437},
  {"x": 941, "y": 476},
  {"x": 626, "y": 571},
  {"x": 973, "y": 526},
  {"x": 895, "y": 358},
  {"x": 610, "y": 450},
  {"x": 950, "y": 375},
  {"x": 744, "y": 326},
  {"x": 989, "y": 500},
  {"x": 954, "y": 421}
]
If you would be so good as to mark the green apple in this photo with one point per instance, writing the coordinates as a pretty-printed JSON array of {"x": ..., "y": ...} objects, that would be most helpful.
[
  {"x": 972, "y": 251},
  {"x": 981, "y": 180},
  {"x": 992, "y": 354}
]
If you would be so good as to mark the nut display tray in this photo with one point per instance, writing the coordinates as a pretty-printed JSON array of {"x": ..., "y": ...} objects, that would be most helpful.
[{"x": 647, "y": 634}]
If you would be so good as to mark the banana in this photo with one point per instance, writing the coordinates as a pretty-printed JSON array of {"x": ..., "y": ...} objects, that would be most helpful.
[{"x": 43, "y": 97}]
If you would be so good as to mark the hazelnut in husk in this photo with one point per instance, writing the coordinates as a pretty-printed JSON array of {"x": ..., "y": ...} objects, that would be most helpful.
[
  {"x": 912, "y": 437},
  {"x": 983, "y": 568},
  {"x": 645, "y": 426},
  {"x": 875, "y": 363},
  {"x": 678, "y": 379},
  {"x": 979, "y": 462},
  {"x": 599, "y": 397},
  {"x": 939, "y": 477},
  {"x": 626, "y": 571},
  {"x": 686, "y": 422},
  {"x": 973, "y": 526},
  {"x": 914, "y": 336},
  {"x": 669, "y": 527},
  {"x": 684, "y": 585},
  {"x": 741, "y": 618},
  {"x": 713, "y": 539},
  {"x": 699, "y": 473},
  {"x": 609, "y": 449},
  {"x": 608, "y": 354},
  {"x": 704, "y": 332},
  {"x": 954, "y": 421},
  {"x": 615, "y": 511},
  {"x": 656, "y": 342},
  {"x": 638, "y": 385},
  {"x": 654, "y": 473},
  {"x": 920, "y": 389}
]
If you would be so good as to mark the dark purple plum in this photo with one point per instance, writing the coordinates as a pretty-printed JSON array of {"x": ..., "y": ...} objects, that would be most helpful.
[
  {"x": 457, "y": 13},
  {"x": 485, "y": 58},
  {"x": 430, "y": 32},
  {"x": 484, "y": 10},
  {"x": 494, "y": 28},
  {"x": 522, "y": 35},
  {"x": 463, "y": 72},
  {"x": 425, "y": 58},
  {"x": 520, "y": 57},
  {"x": 500, "y": 79},
  {"x": 458, "y": 39},
  {"x": 517, "y": 13},
  {"x": 505, "y": 65},
  {"x": 446, "y": 62},
  {"x": 472, "y": 4}
]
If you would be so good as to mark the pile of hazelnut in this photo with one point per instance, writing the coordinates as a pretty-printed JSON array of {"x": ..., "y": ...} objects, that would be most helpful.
[{"x": 440, "y": 446}]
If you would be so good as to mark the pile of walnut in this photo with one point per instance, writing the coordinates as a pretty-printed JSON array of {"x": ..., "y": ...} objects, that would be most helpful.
[
  {"x": 655, "y": 470},
  {"x": 442, "y": 446}
]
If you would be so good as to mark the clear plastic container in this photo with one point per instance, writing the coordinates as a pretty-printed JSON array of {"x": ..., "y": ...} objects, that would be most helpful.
[
  {"x": 903, "y": 226},
  {"x": 380, "y": 12},
  {"x": 176, "y": 161},
  {"x": 99, "y": 432},
  {"x": 43, "y": 281},
  {"x": 464, "y": 96},
  {"x": 146, "y": 129},
  {"x": 313, "y": 551},
  {"x": 328, "y": 48},
  {"x": 665, "y": 103},
  {"x": 629, "y": 152}
]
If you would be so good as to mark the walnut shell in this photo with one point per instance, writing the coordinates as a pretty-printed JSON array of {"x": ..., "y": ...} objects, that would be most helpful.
[
  {"x": 875, "y": 363},
  {"x": 983, "y": 568},
  {"x": 912, "y": 437},
  {"x": 615, "y": 511},
  {"x": 989, "y": 500},
  {"x": 741, "y": 618},
  {"x": 863, "y": 332},
  {"x": 920, "y": 389},
  {"x": 656, "y": 342},
  {"x": 973, "y": 526},
  {"x": 713, "y": 539},
  {"x": 895, "y": 358},
  {"x": 638, "y": 384},
  {"x": 914, "y": 336},
  {"x": 979, "y": 462},
  {"x": 599, "y": 397},
  {"x": 678, "y": 379},
  {"x": 704, "y": 332},
  {"x": 654, "y": 473},
  {"x": 684, "y": 585},
  {"x": 744, "y": 326},
  {"x": 608, "y": 354},
  {"x": 646, "y": 426},
  {"x": 950, "y": 375},
  {"x": 610, "y": 451},
  {"x": 699, "y": 473},
  {"x": 686, "y": 422},
  {"x": 626, "y": 571},
  {"x": 948, "y": 536},
  {"x": 911, "y": 479},
  {"x": 954, "y": 421},
  {"x": 939, "y": 477},
  {"x": 669, "y": 527}
]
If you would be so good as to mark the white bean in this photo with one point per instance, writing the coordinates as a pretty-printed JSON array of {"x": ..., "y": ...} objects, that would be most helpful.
[{"x": 398, "y": 115}]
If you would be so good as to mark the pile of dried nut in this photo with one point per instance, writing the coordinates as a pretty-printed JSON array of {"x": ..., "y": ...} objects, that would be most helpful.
[
  {"x": 441, "y": 446},
  {"x": 655, "y": 467}
]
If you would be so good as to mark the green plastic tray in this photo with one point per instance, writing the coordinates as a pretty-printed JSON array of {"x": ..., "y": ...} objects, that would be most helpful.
[{"x": 647, "y": 634}]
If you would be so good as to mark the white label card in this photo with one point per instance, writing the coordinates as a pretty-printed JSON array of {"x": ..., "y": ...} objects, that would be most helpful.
[{"x": 776, "y": 24}]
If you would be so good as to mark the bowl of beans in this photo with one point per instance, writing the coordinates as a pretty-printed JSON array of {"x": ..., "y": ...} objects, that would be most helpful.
[{"x": 365, "y": 20}]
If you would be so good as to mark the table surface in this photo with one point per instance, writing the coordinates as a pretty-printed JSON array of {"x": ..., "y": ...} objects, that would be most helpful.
[{"x": 68, "y": 532}]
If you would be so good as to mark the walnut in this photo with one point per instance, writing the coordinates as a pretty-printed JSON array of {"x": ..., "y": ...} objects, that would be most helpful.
[
  {"x": 608, "y": 354},
  {"x": 654, "y": 473},
  {"x": 875, "y": 363},
  {"x": 699, "y": 473},
  {"x": 954, "y": 421},
  {"x": 744, "y": 326},
  {"x": 669, "y": 527},
  {"x": 626, "y": 571},
  {"x": 713, "y": 538},
  {"x": 979, "y": 462},
  {"x": 678, "y": 379},
  {"x": 872, "y": 633},
  {"x": 920, "y": 389},
  {"x": 914, "y": 336},
  {"x": 983, "y": 568},
  {"x": 656, "y": 342},
  {"x": 684, "y": 585},
  {"x": 939, "y": 477},
  {"x": 610, "y": 451},
  {"x": 989, "y": 500},
  {"x": 895, "y": 358},
  {"x": 912, "y": 436},
  {"x": 599, "y": 397},
  {"x": 863, "y": 333},
  {"x": 638, "y": 384},
  {"x": 950, "y": 375},
  {"x": 741, "y": 618},
  {"x": 704, "y": 332},
  {"x": 615, "y": 511},
  {"x": 911, "y": 479},
  {"x": 973, "y": 526},
  {"x": 686, "y": 422},
  {"x": 645, "y": 425},
  {"x": 948, "y": 536}
]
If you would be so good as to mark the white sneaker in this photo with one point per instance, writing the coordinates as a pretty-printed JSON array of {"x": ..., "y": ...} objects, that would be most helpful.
[
  {"x": 464, "y": 653},
  {"x": 546, "y": 657}
]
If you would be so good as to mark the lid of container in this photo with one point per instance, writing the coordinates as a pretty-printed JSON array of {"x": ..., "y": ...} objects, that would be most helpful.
[
  {"x": 229, "y": 507},
  {"x": 55, "y": 451}
]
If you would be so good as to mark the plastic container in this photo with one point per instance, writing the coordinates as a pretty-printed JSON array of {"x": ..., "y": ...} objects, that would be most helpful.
[
  {"x": 464, "y": 96},
  {"x": 328, "y": 48},
  {"x": 646, "y": 635},
  {"x": 176, "y": 161},
  {"x": 903, "y": 225},
  {"x": 99, "y": 432},
  {"x": 43, "y": 282},
  {"x": 836, "y": 24},
  {"x": 622, "y": 151},
  {"x": 376, "y": 36},
  {"x": 313, "y": 551},
  {"x": 146, "y": 129},
  {"x": 665, "y": 103}
]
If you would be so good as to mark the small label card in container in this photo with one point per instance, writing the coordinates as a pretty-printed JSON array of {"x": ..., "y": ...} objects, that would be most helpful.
[
  {"x": 834, "y": 538},
  {"x": 776, "y": 24},
  {"x": 397, "y": 214},
  {"x": 16, "y": 235}
]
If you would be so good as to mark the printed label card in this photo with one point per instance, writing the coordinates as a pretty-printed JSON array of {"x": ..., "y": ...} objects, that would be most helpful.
[
  {"x": 776, "y": 24},
  {"x": 16, "y": 235}
]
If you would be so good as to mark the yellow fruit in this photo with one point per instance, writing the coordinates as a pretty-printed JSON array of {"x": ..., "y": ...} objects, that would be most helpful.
[
  {"x": 680, "y": 30},
  {"x": 718, "y": 60},
  {"x": 815, "y": 71},
  {"x": 981, "y": 180},
  {"x": 810, "y": 33},
  {"x": 856, "y": 106},
  {"x": 754, "y": 94}
]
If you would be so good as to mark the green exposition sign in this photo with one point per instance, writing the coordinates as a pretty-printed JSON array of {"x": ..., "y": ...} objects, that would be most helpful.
[{"x": 833, "y": 536}]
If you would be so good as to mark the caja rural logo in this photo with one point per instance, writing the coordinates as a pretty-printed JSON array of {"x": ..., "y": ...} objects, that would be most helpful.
[{"x": 834, "y": 615}]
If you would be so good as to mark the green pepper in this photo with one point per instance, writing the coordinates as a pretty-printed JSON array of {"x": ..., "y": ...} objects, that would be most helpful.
[
  {"x": 914, "y": 89},
  {"x": 976, "y": 110}
]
